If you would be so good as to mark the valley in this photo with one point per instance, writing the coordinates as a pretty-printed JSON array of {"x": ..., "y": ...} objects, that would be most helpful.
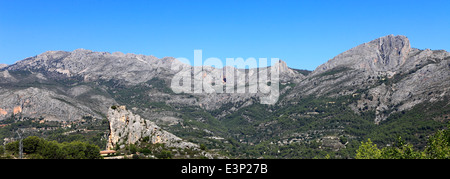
[{"x": 382, "y": 90}]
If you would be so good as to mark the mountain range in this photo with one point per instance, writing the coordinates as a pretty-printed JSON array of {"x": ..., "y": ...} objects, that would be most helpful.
[{"x": 381, "y": 89}]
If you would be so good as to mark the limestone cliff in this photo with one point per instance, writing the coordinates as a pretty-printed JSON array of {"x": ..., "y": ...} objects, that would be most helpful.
[
  {"x": 128, "y": 128},
  {"x": 387, "y": 73},
  {"x": 34, "y": 102}
]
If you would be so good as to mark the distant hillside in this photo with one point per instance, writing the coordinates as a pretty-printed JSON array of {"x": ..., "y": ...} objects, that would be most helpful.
[{"x": 381, "y": 89}]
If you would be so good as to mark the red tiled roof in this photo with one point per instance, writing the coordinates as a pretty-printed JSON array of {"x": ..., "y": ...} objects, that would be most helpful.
[{"x": 107, "y": 151}]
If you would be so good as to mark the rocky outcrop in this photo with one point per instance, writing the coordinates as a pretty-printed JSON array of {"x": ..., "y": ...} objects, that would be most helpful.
[
  {"x": 387, "y": 53},
  {"x": 35, "y": 103},
  {"x": 93, "y": 66},
  {"x": 387, "y": 73},
  {"x": 127, "y": 128},
  {"x": 388, "y": 70},
  {"x": 85, "y": 66}
]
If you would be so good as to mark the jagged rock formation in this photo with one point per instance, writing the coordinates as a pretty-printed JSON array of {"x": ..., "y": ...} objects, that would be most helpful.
[
  {"x": 387, "y": 54},
  {"x": 375, "y": 80},
  {"x": 389, "y": 69},
  {"x": 127, "y": 128},
  {"x": 82, "y": 73},
  {"x": 93, "y": 66},
  {"x": 393, "y": 76},
  {"x": 35, "y": 103}
]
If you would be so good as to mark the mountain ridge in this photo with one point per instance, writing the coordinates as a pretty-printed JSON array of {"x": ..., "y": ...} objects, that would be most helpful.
[
  {"x": 367, "y": 87},
  {"x": 389, "y": 58},
  {"x": 388, "y": 68}
]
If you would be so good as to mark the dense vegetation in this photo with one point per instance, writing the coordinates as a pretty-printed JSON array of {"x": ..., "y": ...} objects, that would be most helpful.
[
  {"x": 87, "y": 129},
  {"x": 303, "y": 130},
  {"x": 438, "y": 147},
  {"x": 147, "y": 150},
  {"x": 38, "y": 148}
]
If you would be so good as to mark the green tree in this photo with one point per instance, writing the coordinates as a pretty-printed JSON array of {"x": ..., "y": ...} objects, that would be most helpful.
[
  {"x": 31, "y": 144},
  {"x": 164, "y": 154},
  {"x": 73, "y": 150},
  {"x": 133, "y": 149},
  {"x": 92, "y": 151},
  {"x": 2, "y": 149},
  {"x": 368, "y": 150},
  {"x": 438, "y": 145},
  {"x": 202, "y": 146},
  {"x": 12, "y": 147},
  {"x": 51, "y": 150},
  {"x": 400, "y": 150}
]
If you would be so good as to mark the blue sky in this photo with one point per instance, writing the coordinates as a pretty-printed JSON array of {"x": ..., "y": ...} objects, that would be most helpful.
[{"x": 305, "y": 34}]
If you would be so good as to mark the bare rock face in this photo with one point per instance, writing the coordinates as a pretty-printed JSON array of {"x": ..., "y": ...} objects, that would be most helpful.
[
  {"x": 387, "y": 53},
  {"x": 128, "y": 128},
  {"x": 387, "y": 73},
  {"x": 6, "y": 76},
  {"x": 86, "y": 66},
  {"x": 93, "y": 66},
  {"x": 35, "y": 103},
  {"x": 287, "y": 74}
]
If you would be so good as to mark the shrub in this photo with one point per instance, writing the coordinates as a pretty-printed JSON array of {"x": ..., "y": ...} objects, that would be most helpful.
[{"x": 164, "y": 154}]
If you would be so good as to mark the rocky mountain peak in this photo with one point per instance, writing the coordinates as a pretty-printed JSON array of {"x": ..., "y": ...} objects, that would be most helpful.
[
  {"x": 3, "y": 66},
  {"x": 386, "y": 53},
  {"x": 394, "y": 74},
  {"x": 393, "y": 50},
  {"x": 282, "y": 66},
  {"x": 82, "y": 50}
]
